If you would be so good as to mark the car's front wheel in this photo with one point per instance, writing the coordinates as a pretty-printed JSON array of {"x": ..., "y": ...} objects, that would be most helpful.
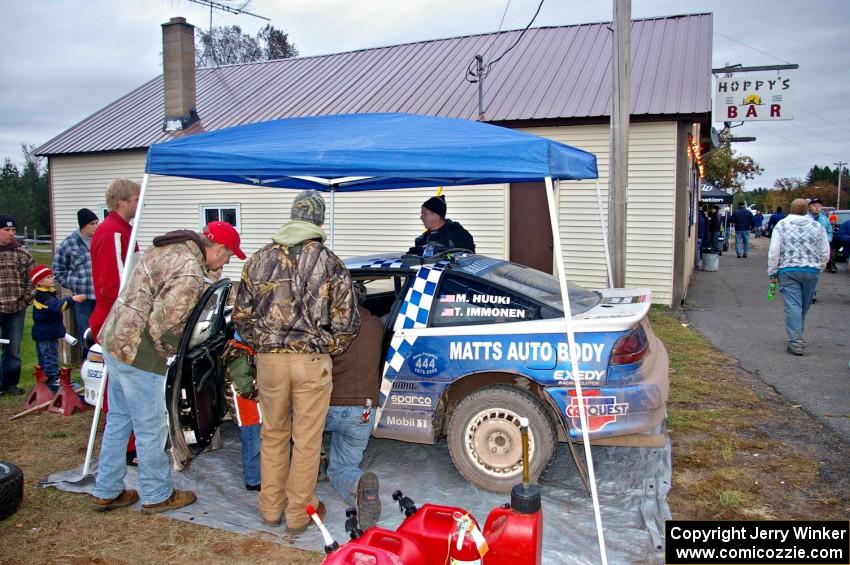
[{"x": 485, "y": 442}]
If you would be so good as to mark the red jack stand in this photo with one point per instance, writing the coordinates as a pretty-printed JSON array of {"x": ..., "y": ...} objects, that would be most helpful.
[
  {"x": 66, "y": 400},
  {"x": 40, "y": 393}
]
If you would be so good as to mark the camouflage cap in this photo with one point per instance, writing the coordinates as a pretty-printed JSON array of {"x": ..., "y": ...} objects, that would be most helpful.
[{"x": 309, "y": 206}]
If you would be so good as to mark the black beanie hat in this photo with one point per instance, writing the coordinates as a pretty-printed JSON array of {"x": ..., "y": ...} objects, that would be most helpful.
[
  {"x": 7, "y": 221},
  {"x": 436, "y": 204},
  {"x": 85, "y": 217}
]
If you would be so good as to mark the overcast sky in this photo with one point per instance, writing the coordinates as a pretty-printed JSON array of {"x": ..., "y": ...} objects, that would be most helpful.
[{"x": 62, "y": 60}]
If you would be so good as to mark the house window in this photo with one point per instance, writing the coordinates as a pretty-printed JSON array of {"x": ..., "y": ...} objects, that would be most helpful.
[
  {"x": 220, "y": 213},
  {"x": 104, "y": 211}
]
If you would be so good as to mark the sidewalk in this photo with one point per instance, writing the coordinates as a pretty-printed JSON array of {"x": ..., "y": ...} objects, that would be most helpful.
[{"x": 730, "y": 308}]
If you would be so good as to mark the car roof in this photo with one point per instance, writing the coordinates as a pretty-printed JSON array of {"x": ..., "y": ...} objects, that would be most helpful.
[{"x": 468, "y": 263}]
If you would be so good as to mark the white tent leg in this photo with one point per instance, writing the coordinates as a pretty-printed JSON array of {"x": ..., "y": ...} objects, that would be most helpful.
[
  {"x": 128, "y": 264},
  {"x": 604, "y": 228},
  {"x": 333, "y": 208},
  {"x": 568, "y": 323}
]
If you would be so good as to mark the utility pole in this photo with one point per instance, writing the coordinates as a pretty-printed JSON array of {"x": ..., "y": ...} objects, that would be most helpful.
[
  {"x": 618, "y": 167},
  {"x": 840, "y": 170}
]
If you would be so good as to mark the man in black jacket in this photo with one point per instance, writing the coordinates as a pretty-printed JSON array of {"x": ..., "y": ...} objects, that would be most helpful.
[
  {"x": 743, "y": 221},
  {"x": 440, "y": 233}
]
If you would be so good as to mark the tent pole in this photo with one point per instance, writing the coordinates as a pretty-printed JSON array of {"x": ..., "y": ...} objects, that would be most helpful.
[
  {"x": 333, "y": 209},
  {"x": 571, "y": 342},
  {"x": 128, "y": 264},
  {"x": 604, "y": 229}
]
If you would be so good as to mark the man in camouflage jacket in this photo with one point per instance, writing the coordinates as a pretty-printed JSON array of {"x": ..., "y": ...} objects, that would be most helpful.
[
  {"x": 295, "y": 307},
  {"x": 142, "y": 331}
]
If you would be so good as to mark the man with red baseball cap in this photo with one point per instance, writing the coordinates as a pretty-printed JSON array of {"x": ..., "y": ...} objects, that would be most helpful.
[{"x": 142, "y": 331}]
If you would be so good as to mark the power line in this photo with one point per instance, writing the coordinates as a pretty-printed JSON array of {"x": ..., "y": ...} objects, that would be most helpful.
[
  {"x": 478, "y": 74},
  {"x": 791, "y": 141},
  {"x": 751, "y": 47}
]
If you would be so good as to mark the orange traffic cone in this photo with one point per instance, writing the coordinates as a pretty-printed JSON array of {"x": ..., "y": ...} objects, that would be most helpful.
[
  {"x": 66, "y": 400},
  {"x": 40, "y": 393}
]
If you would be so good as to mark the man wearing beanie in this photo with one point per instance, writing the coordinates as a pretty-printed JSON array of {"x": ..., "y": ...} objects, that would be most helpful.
[
  {"x": 142, "y": 331},
  {"x": 440, "y": 233},
  {"x": 72, "y": 268},
  {"x": 296, "y": 307},
  {"x": 15, "y": 295}
]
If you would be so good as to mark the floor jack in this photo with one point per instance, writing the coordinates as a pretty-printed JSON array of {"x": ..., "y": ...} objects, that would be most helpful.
[{"x": 40, "y": 393}]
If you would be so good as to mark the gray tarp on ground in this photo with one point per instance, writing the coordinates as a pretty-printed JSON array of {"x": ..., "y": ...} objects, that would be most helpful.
[{"x": 632, "y": 483}]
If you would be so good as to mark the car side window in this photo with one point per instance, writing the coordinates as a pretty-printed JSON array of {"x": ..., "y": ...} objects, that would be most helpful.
[{"x": 461, "y": 302}]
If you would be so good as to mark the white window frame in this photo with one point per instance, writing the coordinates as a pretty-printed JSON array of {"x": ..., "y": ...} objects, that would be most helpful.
[
  {"x": 202, "y": 214},
  {"x": 104, "y": 211}
]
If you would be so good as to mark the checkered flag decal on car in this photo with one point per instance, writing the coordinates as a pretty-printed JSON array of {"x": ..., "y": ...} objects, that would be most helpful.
[
  {"x": 399, "y": 350},
  {"x": 417, "y": 304},
  {"x": 381, "y": 264}
]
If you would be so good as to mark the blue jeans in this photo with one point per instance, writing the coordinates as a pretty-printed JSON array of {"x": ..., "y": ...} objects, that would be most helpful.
[
  {"x": 250, "y": 438},
  {"x": 797, "y": 288},
  {"x": 742, "y": 239},
  {"x": 82, "y": 313},
  {"x": 349, "y": 437},
  {"x": 48, "y": 357},
  {"x": 136, "y": 403},
  {"x": 11, "y": 328}
]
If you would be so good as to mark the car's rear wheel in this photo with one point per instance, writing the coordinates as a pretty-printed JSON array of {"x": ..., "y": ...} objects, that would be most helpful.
[{"x": 485, "y": 441}]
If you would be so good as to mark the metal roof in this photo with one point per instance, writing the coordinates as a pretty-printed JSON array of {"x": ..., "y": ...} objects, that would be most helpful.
[{"x": 554, "y": 73}]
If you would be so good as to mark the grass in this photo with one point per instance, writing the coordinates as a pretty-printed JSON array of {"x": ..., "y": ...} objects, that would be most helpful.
[
  {"x": 738, "y": 448},
  {"x": 59, "y": 527},
  {"x": 738, "y": 453}
]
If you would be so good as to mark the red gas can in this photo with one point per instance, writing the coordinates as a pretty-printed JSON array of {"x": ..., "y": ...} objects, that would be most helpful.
[
  {"x": 432, "y": 525},
  {"x": 357, "y": 554},
  {"x": 514, "y": 532},
  {"x": 405, "y": 547}
]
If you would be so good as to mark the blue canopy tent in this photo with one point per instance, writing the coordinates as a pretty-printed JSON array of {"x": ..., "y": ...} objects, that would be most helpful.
[{"x": 358, "y": 152}]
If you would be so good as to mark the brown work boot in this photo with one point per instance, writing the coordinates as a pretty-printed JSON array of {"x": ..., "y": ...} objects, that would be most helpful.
[
  {"x": 126, "y": 498},
  {"x": 294, "y": 530},
  {"x": 178, "y": 499}
]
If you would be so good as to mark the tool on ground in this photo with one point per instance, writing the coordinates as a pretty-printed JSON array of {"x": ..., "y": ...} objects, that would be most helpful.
[{"x": 37, "y": 407}]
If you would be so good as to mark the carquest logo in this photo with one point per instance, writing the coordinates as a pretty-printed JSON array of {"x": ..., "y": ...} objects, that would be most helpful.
[
  {"x": 410, "y": 400},
  {"x": 601, "y": 410}
]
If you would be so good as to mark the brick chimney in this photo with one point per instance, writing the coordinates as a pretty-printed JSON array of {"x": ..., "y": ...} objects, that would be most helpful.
[{"x": 178, "y": 74}]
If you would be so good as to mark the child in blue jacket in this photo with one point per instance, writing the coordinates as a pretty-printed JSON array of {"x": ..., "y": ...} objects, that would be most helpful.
[{"x": 47, "y": 325}]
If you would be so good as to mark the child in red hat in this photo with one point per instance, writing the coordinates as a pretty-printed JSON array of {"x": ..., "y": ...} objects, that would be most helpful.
[{"x": 47, "y": 325}]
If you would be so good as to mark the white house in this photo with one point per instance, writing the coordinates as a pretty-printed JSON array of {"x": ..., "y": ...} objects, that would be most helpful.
[{"x": 555, "y": 83}]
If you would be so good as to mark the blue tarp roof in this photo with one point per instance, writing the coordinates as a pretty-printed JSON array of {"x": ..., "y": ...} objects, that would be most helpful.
[{"x": 389, "y": 150}]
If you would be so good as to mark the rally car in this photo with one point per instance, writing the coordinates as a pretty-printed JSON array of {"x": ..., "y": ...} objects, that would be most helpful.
[{"x": 471, "y": 345}]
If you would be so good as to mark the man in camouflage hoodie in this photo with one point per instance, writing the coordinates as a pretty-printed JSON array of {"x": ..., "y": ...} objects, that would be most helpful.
[
  {"x": 142, "y": 331},
  {"x": 295, "y": 307}
]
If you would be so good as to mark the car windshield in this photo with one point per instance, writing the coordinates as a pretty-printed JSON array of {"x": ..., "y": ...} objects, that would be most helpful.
[{"x": 541, "y": 286}]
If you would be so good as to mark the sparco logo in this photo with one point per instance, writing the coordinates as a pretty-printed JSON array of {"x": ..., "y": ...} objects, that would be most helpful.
[{"x": 410, "y": 400}]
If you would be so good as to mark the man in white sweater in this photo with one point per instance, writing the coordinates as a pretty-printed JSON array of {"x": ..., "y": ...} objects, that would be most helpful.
[{"x": 799, "y": 250}]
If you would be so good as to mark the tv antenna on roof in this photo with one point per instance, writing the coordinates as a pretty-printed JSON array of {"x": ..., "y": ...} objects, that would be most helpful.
[{"x": 228, "y": 8}]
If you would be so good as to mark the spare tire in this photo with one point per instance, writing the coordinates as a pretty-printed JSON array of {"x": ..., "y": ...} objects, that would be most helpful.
[{"x": 11, "y": 489}]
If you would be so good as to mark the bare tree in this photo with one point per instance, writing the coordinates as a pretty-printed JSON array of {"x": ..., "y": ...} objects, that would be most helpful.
[{"x": 228, "y": 45}]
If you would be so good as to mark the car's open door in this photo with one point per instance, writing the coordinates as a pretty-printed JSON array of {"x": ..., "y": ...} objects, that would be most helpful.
[{"x": 194, "y": 389}]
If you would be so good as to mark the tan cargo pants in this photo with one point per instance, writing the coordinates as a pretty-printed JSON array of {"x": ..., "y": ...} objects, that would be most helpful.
[{"x": 294, "y": 393}]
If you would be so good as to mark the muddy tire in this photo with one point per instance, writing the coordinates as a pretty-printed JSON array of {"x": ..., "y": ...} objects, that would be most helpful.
[
  {"x": 485, "y": 441},
  {"x": 11, "y": 489}
]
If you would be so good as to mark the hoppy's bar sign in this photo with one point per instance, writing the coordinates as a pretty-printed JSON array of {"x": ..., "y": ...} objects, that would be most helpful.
[{"x": 749, "y": 99}]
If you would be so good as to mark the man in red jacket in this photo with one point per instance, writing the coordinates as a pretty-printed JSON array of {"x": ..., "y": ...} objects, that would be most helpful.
[
  {"x": 108, "y": 254},
  {"x": 109, "y": 248}
]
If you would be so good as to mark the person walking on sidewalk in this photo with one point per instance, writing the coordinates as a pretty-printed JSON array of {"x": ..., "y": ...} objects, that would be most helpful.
[
  {"x": 798, "y": 253},
  {"x": 743, "y": 221},
  {"x": 142, "y": 331},
  {"x": 296, "y": 307},
  {"x": 758, "y": 219},
  {"x": 816, "y": 213}
]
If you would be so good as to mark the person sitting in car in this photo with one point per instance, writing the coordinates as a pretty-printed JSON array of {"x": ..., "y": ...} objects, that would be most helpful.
[{"x": 440, "y": 233}]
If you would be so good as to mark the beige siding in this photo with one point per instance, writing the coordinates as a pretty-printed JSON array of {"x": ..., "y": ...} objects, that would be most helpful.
[
  {"x": 649, "y": 233},
  {"x": 365, "y": 222}
]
